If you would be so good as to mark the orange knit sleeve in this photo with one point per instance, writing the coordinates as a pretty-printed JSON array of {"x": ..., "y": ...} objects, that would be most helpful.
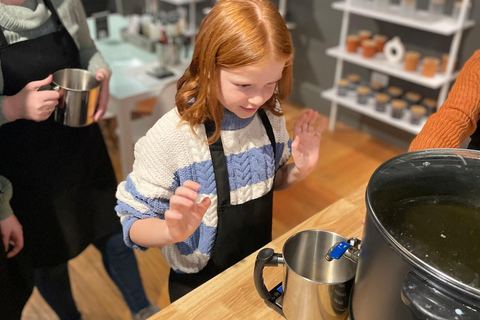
[{"x": 457, "y": 118}]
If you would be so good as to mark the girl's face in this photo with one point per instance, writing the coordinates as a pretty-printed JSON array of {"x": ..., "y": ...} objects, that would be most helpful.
[{"x": 244, "y": 90}]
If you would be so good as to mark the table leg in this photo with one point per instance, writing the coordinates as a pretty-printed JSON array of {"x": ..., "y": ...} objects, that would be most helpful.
[{"x": 125, "y": 137}]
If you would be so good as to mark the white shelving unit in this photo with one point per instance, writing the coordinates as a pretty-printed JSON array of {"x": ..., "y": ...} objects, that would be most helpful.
[
  {"x": 192, "y": 12},
  {"x": 422, "y": 21}
]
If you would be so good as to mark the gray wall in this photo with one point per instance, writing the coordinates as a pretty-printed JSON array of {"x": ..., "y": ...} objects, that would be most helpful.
[{"x": 318, "y": 28}]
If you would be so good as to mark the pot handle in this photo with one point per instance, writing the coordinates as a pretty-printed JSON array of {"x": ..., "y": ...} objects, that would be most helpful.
[
  {"x": 266, "y": 257},
  {"x": 427, "y": 302}
]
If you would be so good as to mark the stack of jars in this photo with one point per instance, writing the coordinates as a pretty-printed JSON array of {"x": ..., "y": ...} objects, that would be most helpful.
[
  {"x": 429, "y": 64},
  {"x": 391, "y": 99},
  {"x": 370, "y": 45}
]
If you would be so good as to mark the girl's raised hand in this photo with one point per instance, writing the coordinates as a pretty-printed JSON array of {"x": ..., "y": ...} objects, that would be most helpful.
[
  {"x": 185, "y": 214},
  {"x": 306, "y": 142}
]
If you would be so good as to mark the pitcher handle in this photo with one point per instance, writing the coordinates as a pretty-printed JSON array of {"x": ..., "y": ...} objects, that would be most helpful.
[{"x": 266, "y": 257}]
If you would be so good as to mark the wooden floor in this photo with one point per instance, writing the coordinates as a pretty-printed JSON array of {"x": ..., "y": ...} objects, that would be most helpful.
[{"x": 347, "y": 160}]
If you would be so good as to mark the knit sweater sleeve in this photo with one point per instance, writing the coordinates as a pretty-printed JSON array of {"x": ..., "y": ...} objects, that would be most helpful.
[
  {"x": 457, "y": 118},
  {"x": 5, "y": 196}
]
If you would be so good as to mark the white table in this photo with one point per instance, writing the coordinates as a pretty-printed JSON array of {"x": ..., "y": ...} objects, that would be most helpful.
[{"x": 129, "y": 83}]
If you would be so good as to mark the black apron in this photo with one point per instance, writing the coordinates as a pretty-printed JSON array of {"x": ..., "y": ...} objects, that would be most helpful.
[
  {"x": 475, "y": 139},
  {"x": 241, "y": 229},
  {"x": 63, "y": 181}
]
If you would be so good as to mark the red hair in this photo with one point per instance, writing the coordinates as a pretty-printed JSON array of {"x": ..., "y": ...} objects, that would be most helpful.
[{"x": 234, "y": 34}]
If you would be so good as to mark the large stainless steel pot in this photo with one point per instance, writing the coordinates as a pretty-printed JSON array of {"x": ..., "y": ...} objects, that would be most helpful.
[{"x": 420, "y": 254}]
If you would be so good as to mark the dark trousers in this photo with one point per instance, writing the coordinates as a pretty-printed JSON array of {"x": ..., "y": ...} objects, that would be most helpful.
[{"x": 121, "y": 265}]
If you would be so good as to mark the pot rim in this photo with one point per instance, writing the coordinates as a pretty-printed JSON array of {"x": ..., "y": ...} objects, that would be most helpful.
[{"x": 411, "y": 258}]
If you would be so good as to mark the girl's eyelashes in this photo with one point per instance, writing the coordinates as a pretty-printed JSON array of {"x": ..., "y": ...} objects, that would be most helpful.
[{"x": 242, "y": 85}]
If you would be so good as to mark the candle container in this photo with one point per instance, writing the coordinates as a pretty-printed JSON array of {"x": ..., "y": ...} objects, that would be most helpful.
[
  {"x": 395, "y": 92},
  {"x": 381, "y": 5},
  {"x": 353, "y": 81},
  {"x": 381, "y": 100},
  {"x": 412, "y": 98},
  {"x": 430, "y": 104},
  {"x": 364, "y": 35},
  {"x": 443, "y": 67},
  {"x": 430, "y": 66},
  {"x": 398, "y": 108},
  {"x": 417, "y": 112},
  {"x": 380, "y": 40},
  {"x": 411, "y": 60},
  {"x": 353, "y": 42},
  {"x": 457, "y": 6},
  {"x": 369, "y": 48},
  {"x": 376, "y": 87},
  {"x": 362, "y": 94},
  {"x": 436, "y": 8},
  {"x": 342, "y": 87},
  {"x": 408, "y": 8}
]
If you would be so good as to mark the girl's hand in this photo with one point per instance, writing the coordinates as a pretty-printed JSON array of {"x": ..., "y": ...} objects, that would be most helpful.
[
  {"x": 103, "y": 76},
  {"x": 12, "y": 234},
  {"x": 30, "y": 103},
  {"x": 185, "y": 215},
  {"x": 306, "y": 142}
]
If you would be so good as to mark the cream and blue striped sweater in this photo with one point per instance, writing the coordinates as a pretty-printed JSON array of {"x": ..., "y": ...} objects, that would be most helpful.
[{"x": 172, "y": 153}]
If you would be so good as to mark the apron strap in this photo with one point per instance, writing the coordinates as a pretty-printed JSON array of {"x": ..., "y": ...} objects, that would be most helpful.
[
  {"x": 3, "y": 39},
  {"x": 218, "y": 157}
]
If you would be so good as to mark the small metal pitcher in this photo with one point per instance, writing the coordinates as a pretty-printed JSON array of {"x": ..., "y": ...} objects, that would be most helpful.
[
  {"x": 313, "y": 288},
  {"x": 79, "y": 90}
]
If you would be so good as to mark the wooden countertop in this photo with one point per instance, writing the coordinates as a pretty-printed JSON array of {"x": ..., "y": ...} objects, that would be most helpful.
[{"x": 232, "y": 294}]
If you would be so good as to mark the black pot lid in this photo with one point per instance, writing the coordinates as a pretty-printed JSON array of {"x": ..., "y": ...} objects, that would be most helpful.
[{"x": 427, "y": 203}]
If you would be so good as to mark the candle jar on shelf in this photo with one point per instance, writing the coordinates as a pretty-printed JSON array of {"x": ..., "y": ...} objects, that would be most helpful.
[
  {"x": 443, "y": 67},
  {"x": 430, "y": 66},
  {"x": 398, "y": 108},
  {"x": 362, "y": 94},
  {"x": 380, "y": 41},
  {"x": 381, "y": 5},
  {"x": 436, "y": 8},
  {"x": 381, "y": 100},
  {"x": 376, "y": 87},
  {"x": 353, "y": 81},
  {"x": 417, "y": 112},
  {"x": 342, "y": 87},
  {"x": 364, "y": 35},
  {"x": 353, "y": 42},
  {"x": 411, "y": 60},
  {"x": 457, "y": 6},
  {"x": 369, "y": 48},
  {"x": 412, "y": 98},
  {"x": 430, "y": 104},
  {"x": 408, "y": 8},
  {"x": 394, "y": 92}
]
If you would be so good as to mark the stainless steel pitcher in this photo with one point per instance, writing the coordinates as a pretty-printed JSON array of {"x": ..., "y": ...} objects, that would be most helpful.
[
  {"x": 79, "y": 92},
  {"x": 313, "y": 288}
]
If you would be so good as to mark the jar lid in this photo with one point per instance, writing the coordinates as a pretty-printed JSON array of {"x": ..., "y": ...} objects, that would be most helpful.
[
  {"x": 343, "y": 82},
  {"x": 380, "y": 37},
  {"x": 413, "y": 96},
  {"x": 365, "y": 32},
  {"x": 431, "y": 59},
  {"x": 363, "y": 90},
  {"x": 369, "y": 43},
  {"x": 352, "y": 37},
  {"x": 376, "y": 85},
  {"x": 459, "y": 4},
  {"x": 396, "y": 91},
  {"x": 430, "y": 102},
  {"x": 438, "y": 1},
  {"x": 413, "y": 54},
  {"x": 382, "y": 97},
  {"x": 398, "y": 104},
  {"x": 418, "y": 110},
  {"x": 353, "y": 77}
]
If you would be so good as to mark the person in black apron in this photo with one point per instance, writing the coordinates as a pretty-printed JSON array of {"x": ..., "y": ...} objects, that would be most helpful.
[
  {"x": 64, "y": 184},
  {"x": 459, "y": 115},
  {"x": 228, "y": 90}
]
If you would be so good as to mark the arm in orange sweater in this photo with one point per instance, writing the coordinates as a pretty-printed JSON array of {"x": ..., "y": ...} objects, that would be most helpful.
[{"x": 457, "y": 118}]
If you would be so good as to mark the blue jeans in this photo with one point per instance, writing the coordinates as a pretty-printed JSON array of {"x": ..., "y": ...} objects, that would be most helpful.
[{"x": 54, "y": 284}]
